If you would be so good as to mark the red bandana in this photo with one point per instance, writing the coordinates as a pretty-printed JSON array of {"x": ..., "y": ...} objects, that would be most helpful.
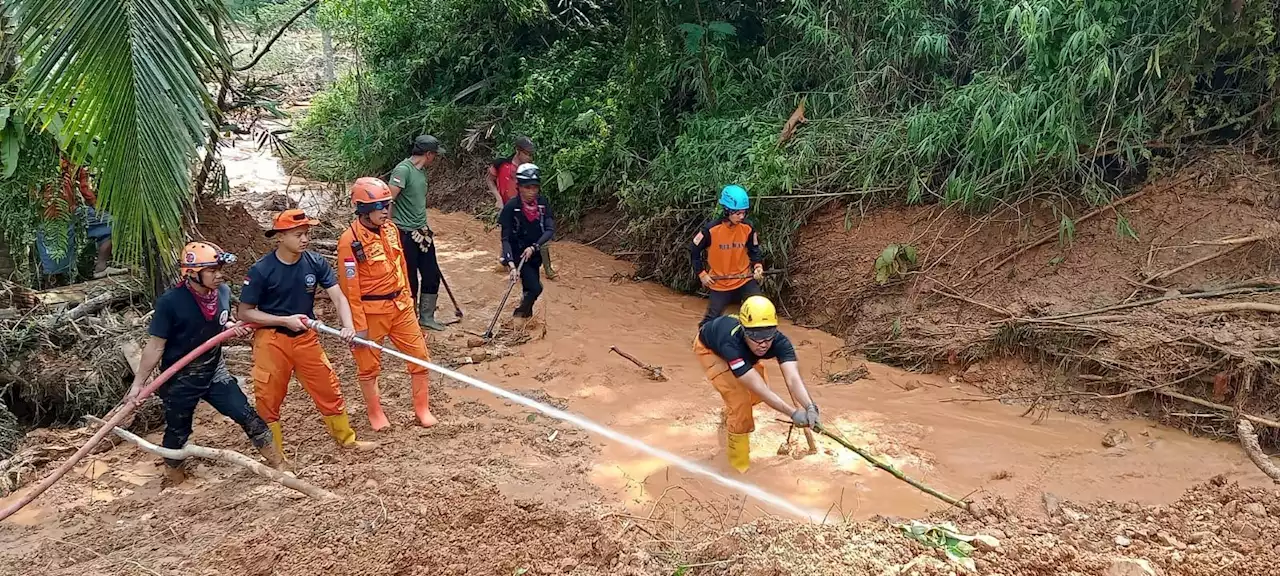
[{"x": 208, "y": 302}]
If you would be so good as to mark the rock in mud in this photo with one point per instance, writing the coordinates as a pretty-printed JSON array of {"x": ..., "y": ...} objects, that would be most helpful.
[
  {"x": 1230, "y": 508},
  {"x": 475, "y": 342},
  {"x": 1115, "y": 437},
  {"x": 1256, "y": 509},
  {"x": 1052, "y": 504},
  {"x": 1130, "y": 567},
  {"x": 1200, "y": 537},
  {"x": 1123, "y": 541}
]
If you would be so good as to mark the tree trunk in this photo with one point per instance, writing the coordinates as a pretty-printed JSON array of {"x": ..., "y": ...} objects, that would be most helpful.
[{"x": 327, "y": 37}]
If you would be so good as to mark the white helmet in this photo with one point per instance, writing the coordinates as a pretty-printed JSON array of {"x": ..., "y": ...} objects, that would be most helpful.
[{"x": 527, "y": 173}]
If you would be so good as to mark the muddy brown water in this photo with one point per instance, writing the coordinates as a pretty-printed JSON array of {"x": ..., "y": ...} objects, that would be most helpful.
[{"x": 961, "y": 448}]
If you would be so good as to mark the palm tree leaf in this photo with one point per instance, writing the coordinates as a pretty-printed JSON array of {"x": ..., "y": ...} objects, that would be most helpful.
[{"x": 126, "y": 74}]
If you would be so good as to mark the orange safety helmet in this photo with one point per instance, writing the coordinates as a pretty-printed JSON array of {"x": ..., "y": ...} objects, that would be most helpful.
[
  {"x": 199, "y": 255},
  {"x": 368, "y": 190}
]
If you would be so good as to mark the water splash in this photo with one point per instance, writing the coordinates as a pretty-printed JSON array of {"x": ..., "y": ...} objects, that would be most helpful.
[{"x": 744, "y": 487}]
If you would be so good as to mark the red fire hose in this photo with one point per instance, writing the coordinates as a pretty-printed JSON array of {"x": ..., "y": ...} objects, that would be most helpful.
[{"x": 121, "y": 412}]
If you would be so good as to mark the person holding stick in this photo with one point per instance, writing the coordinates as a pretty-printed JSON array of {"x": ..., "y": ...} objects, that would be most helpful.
[
  {"x": 185, "y": 316},
  {"x": 374, "y": 281},
  {"x": 726, "y": 255},
  {"x": 730, "y": 349},
  {"x": 409, "y": 191},
  {"x": 527, "y": 226}
]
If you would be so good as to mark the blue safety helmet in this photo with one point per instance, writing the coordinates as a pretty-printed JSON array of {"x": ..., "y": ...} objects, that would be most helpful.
[{"x": 734, "y": 197}]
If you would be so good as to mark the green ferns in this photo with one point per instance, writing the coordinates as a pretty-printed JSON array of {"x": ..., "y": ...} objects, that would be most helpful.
[{"x": 656, "y": 105}]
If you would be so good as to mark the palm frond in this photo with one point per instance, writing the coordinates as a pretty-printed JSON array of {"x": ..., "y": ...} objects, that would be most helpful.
[{"x": 126, "y": 74}]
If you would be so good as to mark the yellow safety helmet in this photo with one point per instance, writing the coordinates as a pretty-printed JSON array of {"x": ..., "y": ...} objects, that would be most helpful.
[{"x": 758, "y": 316}]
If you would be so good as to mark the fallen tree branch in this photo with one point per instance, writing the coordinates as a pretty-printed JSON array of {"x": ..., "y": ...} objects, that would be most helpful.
[
  {"x": 1145, "y": 303},
  {"x": 1208, "y": 404},
  {"x": 1198, "y": 261},
  {"x": 1249, "y": 440},
  {"x": 277, "y": 36},
  {"x": 1235, "y": 307},
  {"x": 893, "y": 471},
  {"x": 228, "y": 456}
]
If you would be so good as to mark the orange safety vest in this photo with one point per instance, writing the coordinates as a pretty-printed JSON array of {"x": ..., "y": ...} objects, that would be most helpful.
[
  {"x": 378, "y": 284},
  {"x": 728, "y": 252}
]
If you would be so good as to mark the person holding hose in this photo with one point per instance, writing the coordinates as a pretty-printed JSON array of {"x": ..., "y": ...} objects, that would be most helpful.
[
  {"x": 527, "y": 226},
  {"x": 185, "y": 317},
  {"x": 409, "y": 192},
  {"x": 279, "y": 295},
  {"x": 374, "y": 280},
  {"x": 730, "y": 349},
  {"x": 502, "y": 184},
  {"x": 726, "y": 254}
]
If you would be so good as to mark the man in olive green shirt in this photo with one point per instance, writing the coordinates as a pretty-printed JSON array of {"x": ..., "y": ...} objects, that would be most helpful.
[{"x": 409, "y": 212}]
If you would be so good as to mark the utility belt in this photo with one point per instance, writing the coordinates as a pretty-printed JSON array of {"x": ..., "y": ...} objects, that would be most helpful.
[{"x": 377, "y": 297}]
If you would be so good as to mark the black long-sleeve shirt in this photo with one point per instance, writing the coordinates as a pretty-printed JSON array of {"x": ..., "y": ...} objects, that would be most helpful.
[
  {"x": 519, "y": 233},
  {"x": 725, "y": 249}
]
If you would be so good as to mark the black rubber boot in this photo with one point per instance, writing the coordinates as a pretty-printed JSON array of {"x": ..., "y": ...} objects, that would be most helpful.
[{"x": 525, "y": 309}]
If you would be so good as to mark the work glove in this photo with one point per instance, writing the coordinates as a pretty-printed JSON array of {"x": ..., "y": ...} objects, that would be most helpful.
[
  {"x": 758, "y": 273},
  {"x": 806, "y": 417},
  {"x": 423, "y": 240}
]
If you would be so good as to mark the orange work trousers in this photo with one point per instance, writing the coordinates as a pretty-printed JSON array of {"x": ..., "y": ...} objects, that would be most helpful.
[
  {"x": 277, "y": 356},
  {"x": 402, "y": 327},
  {"x": 738, "y": 399}
]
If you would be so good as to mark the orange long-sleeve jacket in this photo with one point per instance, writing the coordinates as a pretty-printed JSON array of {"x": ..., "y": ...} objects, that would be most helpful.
[{"x": 378, "y": 283}]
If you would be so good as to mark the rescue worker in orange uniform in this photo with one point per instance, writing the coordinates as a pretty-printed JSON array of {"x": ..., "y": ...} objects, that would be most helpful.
[
  {"x": 375, "y": 281},
  {"x": 726, "y": 255},
  {"x": 279, "y": 296},
  {"x": 730, "y": 349}
]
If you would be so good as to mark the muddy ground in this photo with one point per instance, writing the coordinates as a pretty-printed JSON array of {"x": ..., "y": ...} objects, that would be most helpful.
[{"x": 497, "y": 489}]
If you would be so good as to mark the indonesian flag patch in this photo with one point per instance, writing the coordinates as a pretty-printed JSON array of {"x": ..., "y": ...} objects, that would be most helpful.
[
  {"x": 350, "y": 265},
  {"x": 246, "y": 280},
  {"x": 737, "y": 363}
]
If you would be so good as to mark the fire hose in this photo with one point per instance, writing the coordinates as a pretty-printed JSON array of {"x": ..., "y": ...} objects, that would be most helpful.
[
  {"x": 582, "y": 422},
  {"x": 115, "y": 417}
]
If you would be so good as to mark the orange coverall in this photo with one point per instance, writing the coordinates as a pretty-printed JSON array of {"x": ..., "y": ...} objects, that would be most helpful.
[{"x": 381, "y": 305}]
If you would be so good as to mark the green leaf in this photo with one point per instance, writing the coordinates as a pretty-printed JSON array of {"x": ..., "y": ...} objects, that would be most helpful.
[
  {"x": 910, "y": 252},
  {"x": 722, "y": 28},
  {"x": 4, "y": 117},
  {"x": 693, "y": 34},
  {"x": 135, "y": 70},
  {"x": 531, "y": 418},
  {"x": 564, "y": 180},
  {"x": 9, "y": 156}
]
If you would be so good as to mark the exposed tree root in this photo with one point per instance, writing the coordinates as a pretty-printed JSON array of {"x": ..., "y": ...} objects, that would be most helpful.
[
  {"x": 228, "y": 456},
  {"x": 1249, "y": 439}
]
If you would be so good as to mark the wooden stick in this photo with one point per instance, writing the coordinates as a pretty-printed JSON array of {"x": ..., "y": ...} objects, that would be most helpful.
[
  {"x": 1249, "y": 440},
  {"x": 1197, "y": 261},
  {"x": 1208, "y": 404},
  {"x": 228, "y": 456},
  {"x": 1145, "y": 303},
  {"x": 633, "y": 359},
  {"x": 894, "y": 471},
  {"x": 1234, "y": 307}
]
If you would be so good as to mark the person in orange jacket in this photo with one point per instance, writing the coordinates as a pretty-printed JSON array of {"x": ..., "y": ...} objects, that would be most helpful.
[
  {"x": 726, "y": 255},
  {"x": 279, "y": 295},
  {"x": 375, "y": 280}
]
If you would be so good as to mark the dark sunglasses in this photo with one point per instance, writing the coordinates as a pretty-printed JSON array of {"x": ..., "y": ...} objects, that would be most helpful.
[{"x": 367, "y": 207}]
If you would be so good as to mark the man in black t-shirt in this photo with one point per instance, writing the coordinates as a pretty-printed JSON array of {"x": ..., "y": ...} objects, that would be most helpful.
[
  {"x": 279, "y": 295},
  {"x": 185, "y": 317},
  {"x": 730, "y": 349}
]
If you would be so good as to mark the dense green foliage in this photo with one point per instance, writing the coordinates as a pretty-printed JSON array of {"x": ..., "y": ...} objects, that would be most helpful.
[{"x": 655, "y": 105}]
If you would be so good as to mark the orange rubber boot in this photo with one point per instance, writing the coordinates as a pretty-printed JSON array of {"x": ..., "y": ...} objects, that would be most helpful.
[
  {"x": 422, "y": 401},
  {"x": 373, "y": 405}
]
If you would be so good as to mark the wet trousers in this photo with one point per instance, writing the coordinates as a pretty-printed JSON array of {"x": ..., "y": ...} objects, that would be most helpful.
[
  {"x": 278, "y": 356},
  {"x": 215, "y": 385},
  {"x": 423, "y": 269},
  {"x": 719, "y": 300}
]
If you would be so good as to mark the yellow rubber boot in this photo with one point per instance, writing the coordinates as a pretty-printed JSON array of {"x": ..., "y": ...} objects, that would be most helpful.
[
  {"x": 339, "y": 426},
  {"x": 373, "y": 405},
  {"x": 277, "y": 436},
  {"x": 421, "y": 400},
  {"x": 739, "y": 451}
]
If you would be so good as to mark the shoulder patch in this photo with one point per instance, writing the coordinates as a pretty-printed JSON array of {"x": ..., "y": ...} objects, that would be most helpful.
[
  {"x": 246, "y": 280},
  {"x": 350, "y": 267},
  {"x": 737, "y": 363}
]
